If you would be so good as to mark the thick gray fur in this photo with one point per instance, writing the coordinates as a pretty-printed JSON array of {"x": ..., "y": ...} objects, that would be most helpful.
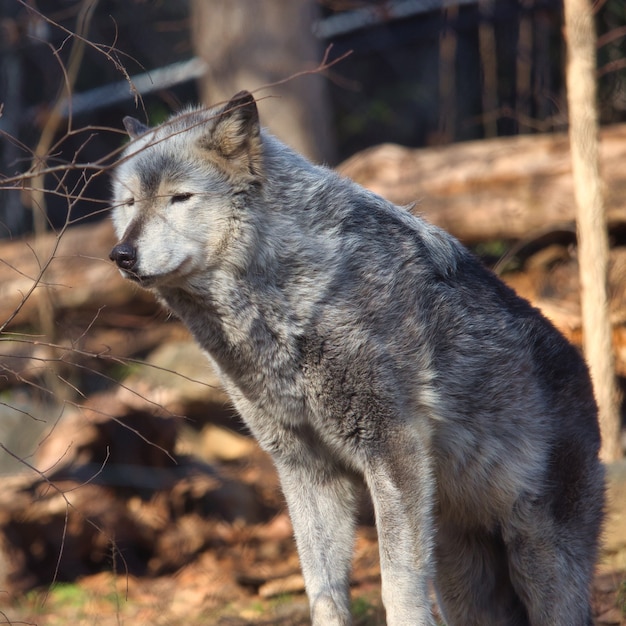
[{"x": 361, "y": 344}]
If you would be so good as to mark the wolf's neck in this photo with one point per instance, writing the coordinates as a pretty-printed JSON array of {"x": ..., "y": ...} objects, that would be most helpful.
[{"x": 242, "y": 332}]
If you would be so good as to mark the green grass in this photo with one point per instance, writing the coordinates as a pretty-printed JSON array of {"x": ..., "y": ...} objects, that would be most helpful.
[
  {"x": 367, "y": 612},
  {"x": 63, "y": 603},
  {"x": 68, "y": 595}
]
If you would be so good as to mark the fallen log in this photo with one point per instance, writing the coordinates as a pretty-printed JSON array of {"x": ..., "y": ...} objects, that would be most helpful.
[{"x": 504, "y": 188}]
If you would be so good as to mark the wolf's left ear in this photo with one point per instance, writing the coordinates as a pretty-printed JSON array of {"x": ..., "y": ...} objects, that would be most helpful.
[
  {"x": 134, "y": 127},
  {"x": 236, "y": 132}
]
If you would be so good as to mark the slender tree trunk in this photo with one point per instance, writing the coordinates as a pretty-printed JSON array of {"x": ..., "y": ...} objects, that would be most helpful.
[
  {"x": 13, "y": 220},
  {"x": 591, "y": 221},
  {"x": 489, "y": 64},
  {"x": 448, "y": 77}
]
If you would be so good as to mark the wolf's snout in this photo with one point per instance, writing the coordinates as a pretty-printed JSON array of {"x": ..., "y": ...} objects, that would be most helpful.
[{"x": 125, "y": 256}]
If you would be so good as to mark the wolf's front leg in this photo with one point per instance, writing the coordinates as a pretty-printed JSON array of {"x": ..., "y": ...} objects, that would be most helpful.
[
  {"x": 402, "y": 488},
  {"x": 321, "y": 503}
]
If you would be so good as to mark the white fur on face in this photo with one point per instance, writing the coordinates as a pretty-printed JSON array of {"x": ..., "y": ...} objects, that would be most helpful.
[{"x": 170, "y": 205}]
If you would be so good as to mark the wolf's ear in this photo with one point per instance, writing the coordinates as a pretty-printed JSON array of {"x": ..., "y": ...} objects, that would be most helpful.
[
  {"x": 236, "y": 128},
  {"x": 134, "y": 127}
]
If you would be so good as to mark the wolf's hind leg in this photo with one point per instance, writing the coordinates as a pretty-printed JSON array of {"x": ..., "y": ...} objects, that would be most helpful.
[
  {"x": 551, "y": 567},
  {"x": 472, "y": 579},
  {"x": 552, "y": 540}
]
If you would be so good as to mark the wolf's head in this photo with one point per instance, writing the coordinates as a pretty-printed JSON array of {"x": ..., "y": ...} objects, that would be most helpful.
[{"x": 177, "y": 188}]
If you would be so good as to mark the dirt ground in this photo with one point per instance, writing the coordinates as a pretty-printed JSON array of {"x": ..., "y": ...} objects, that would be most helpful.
[
  {"x": 222, "y": 589},
  {"x": 249, "y": 575}
]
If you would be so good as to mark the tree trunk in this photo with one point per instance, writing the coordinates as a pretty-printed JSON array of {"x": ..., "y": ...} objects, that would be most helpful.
[
  {"x": 593, "y": 246},
  {"x": 249, "y": 44}
]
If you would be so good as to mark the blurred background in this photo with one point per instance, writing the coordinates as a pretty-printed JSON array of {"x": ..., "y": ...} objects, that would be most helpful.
[
  {"x": 129, "y": 490},
  {"x": 419, "y": 73}
]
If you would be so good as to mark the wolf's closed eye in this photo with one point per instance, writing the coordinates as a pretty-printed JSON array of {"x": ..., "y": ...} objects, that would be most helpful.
[{"x": 181, "y": 197}]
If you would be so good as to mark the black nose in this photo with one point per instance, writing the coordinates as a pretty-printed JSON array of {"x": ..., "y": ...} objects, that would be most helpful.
[{"x": 125, "y": 255}]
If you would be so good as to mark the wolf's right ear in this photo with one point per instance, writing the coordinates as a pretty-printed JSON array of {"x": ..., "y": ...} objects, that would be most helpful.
[
  {"x": 134, "y": 127},
  {"x": 237, "y": 125},
  {"x": 236, "y": 135}
]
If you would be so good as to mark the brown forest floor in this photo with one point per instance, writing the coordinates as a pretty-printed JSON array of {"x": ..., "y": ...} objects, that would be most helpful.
[
  {"x": 216, "y": 590},
  {"x": 212, "y": 591},
  {"x": 249, "y": 576}
]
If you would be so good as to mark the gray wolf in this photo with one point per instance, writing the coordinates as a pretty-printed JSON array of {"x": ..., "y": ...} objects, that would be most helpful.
[{"x": 362, "y": 345}]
